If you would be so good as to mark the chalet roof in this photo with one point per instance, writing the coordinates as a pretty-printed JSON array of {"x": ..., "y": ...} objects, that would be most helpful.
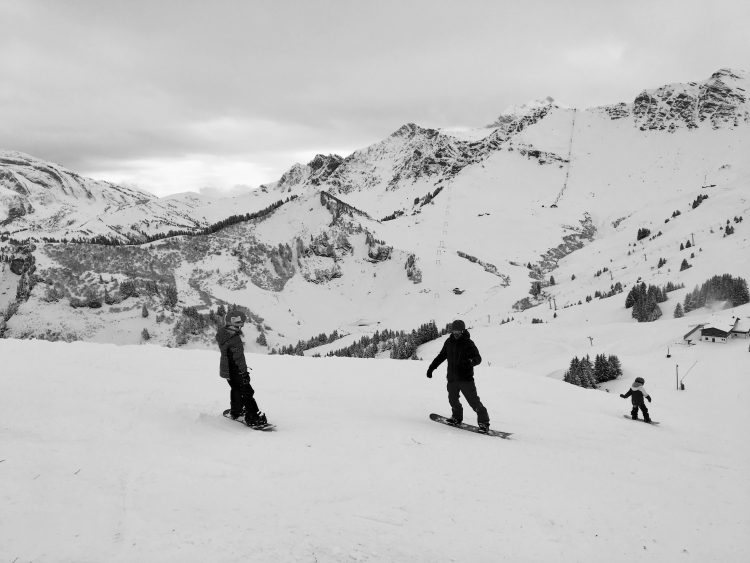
[{"x": 741, "y": 325}]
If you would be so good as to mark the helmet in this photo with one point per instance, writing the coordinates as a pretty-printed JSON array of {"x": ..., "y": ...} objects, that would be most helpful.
[
  {"x": 458, "y": 325},
  {"x": 640, "y": 380}
]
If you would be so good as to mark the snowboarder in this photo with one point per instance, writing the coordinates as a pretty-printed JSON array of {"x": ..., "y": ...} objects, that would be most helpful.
[
  {"x": 637, "y": 393},
  {"x": 234, "y": 369},
  {"x": 462, "y": 356}
]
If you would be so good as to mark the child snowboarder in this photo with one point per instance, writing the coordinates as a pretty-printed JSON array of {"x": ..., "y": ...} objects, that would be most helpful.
[
  {"x": 636, "y": 393},
  {"x": 233, "y": 368},
  {"x": 462, "y": 356}
]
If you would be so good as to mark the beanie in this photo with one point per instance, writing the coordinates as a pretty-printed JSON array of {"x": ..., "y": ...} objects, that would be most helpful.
[{"x": 458, "y": 325}]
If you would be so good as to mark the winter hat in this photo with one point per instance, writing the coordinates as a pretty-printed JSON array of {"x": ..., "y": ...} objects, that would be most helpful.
[
  {"x": 235, "y": 318},
  {"x": 458, "y": 325},
  {"x": 639, "y": 381}
]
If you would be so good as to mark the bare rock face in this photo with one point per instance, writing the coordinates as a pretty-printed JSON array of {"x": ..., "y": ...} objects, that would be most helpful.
[
  {"x": 724, "y": 100},
  {"x": 721, "y": 101},
  {"x": 314, "y": 173}
]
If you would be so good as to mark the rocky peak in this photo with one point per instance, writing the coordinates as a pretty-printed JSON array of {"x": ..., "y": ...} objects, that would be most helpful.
[
  {"x": 721, "y": 100},
  {"x": 516, "y": 118},
  {"x": 322, "y": 166},
  {"x": 313, "y": 173}
]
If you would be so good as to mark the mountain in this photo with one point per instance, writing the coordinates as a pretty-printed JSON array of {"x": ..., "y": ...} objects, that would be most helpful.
[
  {"x": 44, "y": 200},
  {"x": 425, "y": 224}
]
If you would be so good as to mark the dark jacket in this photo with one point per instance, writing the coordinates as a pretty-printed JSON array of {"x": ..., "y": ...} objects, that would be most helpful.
[
  {"x": 462, "y": 356},
  {"x": 232, "y": 352},
  {"x": 636, "y": 395}
]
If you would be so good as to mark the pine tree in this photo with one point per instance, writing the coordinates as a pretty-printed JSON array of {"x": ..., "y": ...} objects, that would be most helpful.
[
  {"x": 615, "y": 369},
  {"x": 653, "y": 311},
  {"x": 145, "y": 335},
  {"x": 601, "y": 368},
  {"x": 630, "y": 299},
  {"x": 741, "y": 294},
  {"x": 678, "y": 312},
  {"x": 587, "y": 373},
  {"x": 573, "y": 374},
  {"x": 144, "y": 311}
]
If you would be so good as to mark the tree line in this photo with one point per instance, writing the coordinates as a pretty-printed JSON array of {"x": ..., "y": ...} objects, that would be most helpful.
[
  {"x": 585, "y": 374},
  {"x": 402, "y": 344},
  {"x": 644, "y": 301},
  {"x": 719, "y": 288}
]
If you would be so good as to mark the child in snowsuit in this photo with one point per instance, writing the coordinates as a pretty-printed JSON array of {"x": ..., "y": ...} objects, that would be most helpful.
[
  {"x": 636, "y": 393},
  {"x": 462, "y": 356},
  {"x": 233, "y": 368}
]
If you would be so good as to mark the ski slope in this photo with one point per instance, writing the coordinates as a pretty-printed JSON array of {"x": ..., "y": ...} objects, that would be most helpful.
[{"x": 121, "y": 454}]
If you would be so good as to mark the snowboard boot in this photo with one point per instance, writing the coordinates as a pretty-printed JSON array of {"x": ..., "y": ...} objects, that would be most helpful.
[
  {"x": 233, "y": 416},
  {"x": 484, "y": 427},
  {"x": 258, "y": 419},
  {"x": 454, "y": 421}
]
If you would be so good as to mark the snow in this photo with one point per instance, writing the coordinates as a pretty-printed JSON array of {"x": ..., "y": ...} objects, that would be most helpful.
[{"x": 120, "y": 454}]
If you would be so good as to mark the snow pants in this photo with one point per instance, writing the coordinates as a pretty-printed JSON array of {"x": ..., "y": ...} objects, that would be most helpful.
[
  {"x": 644, "y": 410},
  {"x": 469, "y": 390},
  {"x": 241, "y": 395}
]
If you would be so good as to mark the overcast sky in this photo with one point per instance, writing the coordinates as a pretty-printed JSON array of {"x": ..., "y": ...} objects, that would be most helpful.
[{"x": 212, "y": 95}]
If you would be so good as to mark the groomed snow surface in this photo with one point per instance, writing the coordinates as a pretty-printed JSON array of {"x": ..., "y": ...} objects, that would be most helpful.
[{"x": 121, "y": 454}]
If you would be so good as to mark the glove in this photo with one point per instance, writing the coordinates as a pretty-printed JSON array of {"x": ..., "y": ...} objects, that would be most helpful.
[
  {"x": 246, "y": 378},
  {"x": 623, "y": 396},
  {"x": 429, "y": 372},
  {"x": 648, "y": 399}
]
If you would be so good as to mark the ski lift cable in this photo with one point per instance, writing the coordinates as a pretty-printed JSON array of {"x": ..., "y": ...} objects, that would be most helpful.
[
  {"x": 688, "y": 371},
  {"x": 570, "y": 152},
  {"x": 441, "y": 244}
]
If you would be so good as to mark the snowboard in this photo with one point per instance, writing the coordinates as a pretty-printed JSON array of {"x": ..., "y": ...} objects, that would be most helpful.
[
  {"x": 470, "y": 428},
  {"x": 263, "y": 428},
  {"x": 640, "y": 419}
]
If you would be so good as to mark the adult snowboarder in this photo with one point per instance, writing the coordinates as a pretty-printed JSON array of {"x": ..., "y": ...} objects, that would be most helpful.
[
  {"x": 462, "y": 356},
  {"x": 637, "y": 392},
  {"x": 234, "y": 369}
]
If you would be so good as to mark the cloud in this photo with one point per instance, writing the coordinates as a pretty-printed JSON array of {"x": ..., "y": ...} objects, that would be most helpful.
[
  {"x": 202, "y": 173},
  {"x": 596, "y": 56}
]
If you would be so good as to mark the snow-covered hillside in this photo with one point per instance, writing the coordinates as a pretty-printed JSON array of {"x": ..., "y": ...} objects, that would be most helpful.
[
  {"x": 41, "y": 199},
  {"x": 120, "y": 454},
  {"x": 429, "y": 224}
]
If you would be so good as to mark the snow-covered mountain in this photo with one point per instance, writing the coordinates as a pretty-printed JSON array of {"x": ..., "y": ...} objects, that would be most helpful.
[
  {"x": 425, "y": 224},
  {"x": 41, "y": 199}
]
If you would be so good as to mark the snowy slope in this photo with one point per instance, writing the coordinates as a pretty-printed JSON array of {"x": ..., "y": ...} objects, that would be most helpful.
[{"x": 125, "y": 456}]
